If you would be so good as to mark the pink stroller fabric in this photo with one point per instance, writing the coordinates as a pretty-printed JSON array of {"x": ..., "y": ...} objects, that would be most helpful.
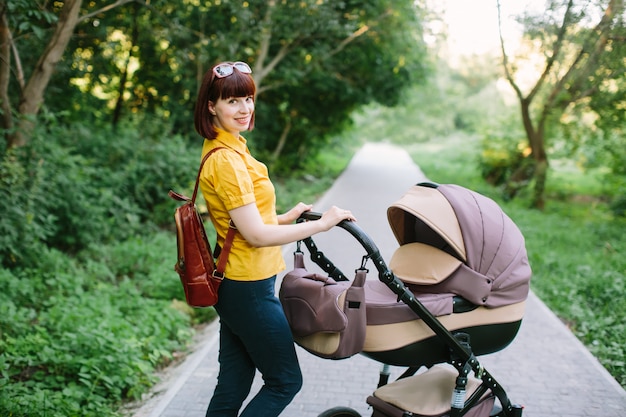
[
  {"x": 453, "y": 243},
  {"x": 484, "y": 258},
  {"x": 455, "y": 289}
]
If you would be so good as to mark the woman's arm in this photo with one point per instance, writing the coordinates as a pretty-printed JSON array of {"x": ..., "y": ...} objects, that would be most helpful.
[
  {"x": 293, "y": 214},
  {"x": 251, "y": 226}
]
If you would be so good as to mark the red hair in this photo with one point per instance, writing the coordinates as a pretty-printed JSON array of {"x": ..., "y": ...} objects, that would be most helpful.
[{"x": 238, "y": 84}]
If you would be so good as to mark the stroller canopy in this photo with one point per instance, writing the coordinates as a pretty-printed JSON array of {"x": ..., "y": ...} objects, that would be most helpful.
[{"x": 454, "y": 240}]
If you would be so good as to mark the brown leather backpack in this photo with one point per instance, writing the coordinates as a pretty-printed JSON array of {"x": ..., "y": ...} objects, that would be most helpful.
[{"x": 198, "y": 272}]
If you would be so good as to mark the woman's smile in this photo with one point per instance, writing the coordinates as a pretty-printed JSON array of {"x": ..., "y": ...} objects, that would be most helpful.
[{"x": 233, "y": 114}]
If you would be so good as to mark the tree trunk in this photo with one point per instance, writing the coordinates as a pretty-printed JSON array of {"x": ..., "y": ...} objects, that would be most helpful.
[
  {"x": 5, "y": 71},
  {"x": 538, "y": 169},
  {"x": 32, "y": 95},
  {"x": 541, "y": 176},
  {"x": 119, "y": 104},
  {"x": 281, "y": 141}
]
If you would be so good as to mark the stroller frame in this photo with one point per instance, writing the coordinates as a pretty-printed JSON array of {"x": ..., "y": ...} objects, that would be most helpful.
[{"x": 461, "y": 356}]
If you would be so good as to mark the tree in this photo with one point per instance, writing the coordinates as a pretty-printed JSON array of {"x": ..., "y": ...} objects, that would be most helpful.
[
  {"x": 333, "y": 58},
  {"x": 32, "y": 20},
  {"x": 314, "y": 61},
  {"x": 579, "y": 43}
]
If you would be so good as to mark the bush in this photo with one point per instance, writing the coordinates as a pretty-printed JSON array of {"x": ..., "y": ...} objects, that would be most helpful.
[
  {"x": 503, "y": 151},
  {"x": 89, "y": 186},
  {"x": 78, "y": 338},
  {"x": 140, "y": 166},
  {"x": 23, "y": 224},
  {"x": 90, "y": 305},
  {"x": 618, "y": 206}
]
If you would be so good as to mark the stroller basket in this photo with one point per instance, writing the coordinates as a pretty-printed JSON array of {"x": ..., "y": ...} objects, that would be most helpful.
[{"x": 455, "y": 288}]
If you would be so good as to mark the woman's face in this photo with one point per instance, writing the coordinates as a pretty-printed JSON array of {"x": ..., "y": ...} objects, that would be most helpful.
[{"x": 232, "y": 114}]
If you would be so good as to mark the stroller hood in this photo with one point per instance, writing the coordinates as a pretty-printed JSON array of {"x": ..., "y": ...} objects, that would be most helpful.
[{"x": 454, "y": 240}]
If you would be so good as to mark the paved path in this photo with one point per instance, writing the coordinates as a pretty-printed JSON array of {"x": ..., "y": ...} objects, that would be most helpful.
[{"x": 546, "y": 368}]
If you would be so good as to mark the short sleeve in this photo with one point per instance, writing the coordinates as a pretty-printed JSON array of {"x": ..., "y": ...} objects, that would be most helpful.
[{"x": 231, "y": 180}]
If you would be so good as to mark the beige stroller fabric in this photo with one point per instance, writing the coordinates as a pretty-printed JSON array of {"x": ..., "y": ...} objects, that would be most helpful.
[{"x": 427, "y": 394}]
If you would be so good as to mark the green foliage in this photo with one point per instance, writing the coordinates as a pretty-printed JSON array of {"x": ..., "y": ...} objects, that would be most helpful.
[
  {"x": 22, "y": 225},
  {"x": 574, "y": 53},
  {"x": 619, "y": 204},
  {"x": 435, "y": 118},
  {"x": 502, "y": 151},
  {"x": 142, "y": 162},
  {"x": 79, "y": 335},
  {"x": 447, "y": 101},
  {"x": 314, "y": 62},
  {"x": 90, "y": 185},
  {"x": 78, "y": 338},
  {"x": 146, "y": 260},
  {"x": 313, "y": 94}
]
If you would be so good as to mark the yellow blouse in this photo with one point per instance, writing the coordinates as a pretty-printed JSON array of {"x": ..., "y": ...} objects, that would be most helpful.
[{"x": 232, "y": 178}]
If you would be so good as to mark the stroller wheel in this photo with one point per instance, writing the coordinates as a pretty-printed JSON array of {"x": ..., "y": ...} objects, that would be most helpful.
[{"x": 340, "y": 412}]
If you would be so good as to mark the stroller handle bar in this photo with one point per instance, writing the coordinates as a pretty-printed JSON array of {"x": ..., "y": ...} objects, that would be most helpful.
[{"x": 363, "y": 238}]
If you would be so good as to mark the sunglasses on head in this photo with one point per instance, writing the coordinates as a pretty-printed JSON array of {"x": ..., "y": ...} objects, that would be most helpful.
[{"x": 227, "y": 68}]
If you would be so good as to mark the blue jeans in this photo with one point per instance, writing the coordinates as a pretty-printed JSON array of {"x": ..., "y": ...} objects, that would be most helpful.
[{"x": 254, "y": 334}]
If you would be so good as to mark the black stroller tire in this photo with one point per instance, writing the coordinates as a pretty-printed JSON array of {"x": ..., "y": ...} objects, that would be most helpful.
[{"x": 340, "y": 412}]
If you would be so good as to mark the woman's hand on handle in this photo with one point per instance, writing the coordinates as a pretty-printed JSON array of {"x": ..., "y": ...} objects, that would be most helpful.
[{"x": 334, "y": 216}]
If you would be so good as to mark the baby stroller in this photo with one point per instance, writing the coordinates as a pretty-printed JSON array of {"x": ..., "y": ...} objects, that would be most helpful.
[{"x": 454, "y": 289}]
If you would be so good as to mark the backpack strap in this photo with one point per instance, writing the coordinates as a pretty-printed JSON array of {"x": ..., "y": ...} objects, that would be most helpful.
[
  {"x": 230, "y": 235},
  {"x": 195, "y": 188},
  {"x": 223, "y": 256}
]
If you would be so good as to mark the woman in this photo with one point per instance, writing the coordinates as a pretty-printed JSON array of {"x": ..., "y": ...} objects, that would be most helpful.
[{"x": 254, "y": 333}]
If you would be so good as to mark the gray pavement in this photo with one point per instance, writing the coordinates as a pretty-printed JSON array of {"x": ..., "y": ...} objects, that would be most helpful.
[{"x": 546, "y": 369}]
